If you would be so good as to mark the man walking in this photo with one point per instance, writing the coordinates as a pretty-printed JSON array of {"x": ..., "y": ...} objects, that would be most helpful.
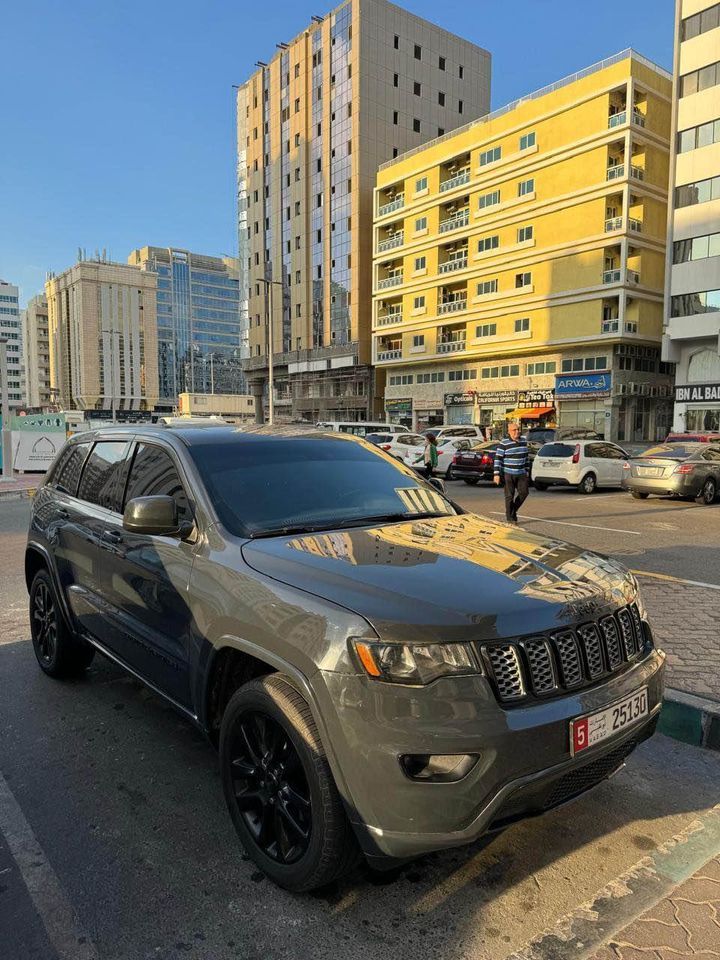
[{"x": 512, "y": 466}]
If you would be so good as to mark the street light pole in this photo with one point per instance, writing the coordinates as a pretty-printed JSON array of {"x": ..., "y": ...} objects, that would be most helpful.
[
  {"x": 268, "y": 291},
  {"x": 7, "y": 471}
]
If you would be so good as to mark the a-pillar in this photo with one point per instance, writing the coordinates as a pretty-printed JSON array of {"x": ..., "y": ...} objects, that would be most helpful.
[{"x": 257, "y": 389}]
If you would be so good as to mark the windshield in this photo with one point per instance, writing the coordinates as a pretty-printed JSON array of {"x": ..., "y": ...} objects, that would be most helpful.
[
  {"x": 674, "y": 451},
  {"x": 290, "y": 484}
]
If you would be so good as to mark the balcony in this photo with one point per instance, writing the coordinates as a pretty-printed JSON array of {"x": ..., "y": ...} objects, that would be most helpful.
[
  {"x": 456, "y": 222},
  {"x": 637, "y": 172},
  {"x": 453, "y": 306},
  {"x": 396, "y": 240},
  {"x": 617, "y": 119},
  {"x": 638, "y": 118},
  {"x": 633, "y": 276},
  {"x": 615, "y": 172},
  {"x": 612, "y": 276},
  {"x": 392, "y": 281},
  {"x": 386, "y": 319},
  {"x": 451, "y": 346},
  {"x": 457, "y": 263},
  {"x": 611, "y": 326},
  {"x": 460, "y": 178},
  {"x": 393, "y": 354},
  {"x": 396, "y": 204},
  {"x": 635, "y": 225},
  {"x": 614, "y": 223}
]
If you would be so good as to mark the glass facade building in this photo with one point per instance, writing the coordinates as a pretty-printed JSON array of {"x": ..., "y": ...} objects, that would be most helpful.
[{"x": 198, "y": 322}]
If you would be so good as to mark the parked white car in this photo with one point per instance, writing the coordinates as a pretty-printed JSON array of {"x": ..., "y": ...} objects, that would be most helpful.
[
  {"x": 456, "y": 432},
  {"x": 585, "y": 464},
  {"x": 410, "y": 447}
]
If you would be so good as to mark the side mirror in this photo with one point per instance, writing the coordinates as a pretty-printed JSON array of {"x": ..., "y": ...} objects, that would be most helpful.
[
  {"x": 438, "y": 484},
  {"x": 152, "y": 515}
]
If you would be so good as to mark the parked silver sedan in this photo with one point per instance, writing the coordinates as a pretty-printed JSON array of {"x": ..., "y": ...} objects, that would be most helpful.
[{"x": 682, "y": 469}]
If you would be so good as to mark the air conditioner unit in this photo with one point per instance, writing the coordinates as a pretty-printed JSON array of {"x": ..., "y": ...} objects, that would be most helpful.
[
  {"x": 634, "y": 388},
  {"x": 654, "y": 391},
  {"x": 622, "y": 389},
  {"x": 644, "y": 389}
]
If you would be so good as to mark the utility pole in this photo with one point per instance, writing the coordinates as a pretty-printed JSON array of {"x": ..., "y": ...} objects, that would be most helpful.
[
  {"x": 7, "y": 471},
  {"x": 268, "y": 290}
]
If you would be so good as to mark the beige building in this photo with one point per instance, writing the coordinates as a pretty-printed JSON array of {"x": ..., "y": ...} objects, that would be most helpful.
[
  {"x": 103, "y": 336},
  {"x": 363, "y": 84},
  {"x": 692, "y": 322},
  {"x": 36, "y": 353},
  {"x": 234, "y": 407}
]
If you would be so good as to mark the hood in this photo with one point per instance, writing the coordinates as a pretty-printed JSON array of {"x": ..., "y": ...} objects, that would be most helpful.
[{"x": 455, "y": 578}]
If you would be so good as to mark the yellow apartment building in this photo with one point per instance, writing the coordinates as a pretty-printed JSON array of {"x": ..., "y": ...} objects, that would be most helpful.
[{"x": 519, "y": 261}]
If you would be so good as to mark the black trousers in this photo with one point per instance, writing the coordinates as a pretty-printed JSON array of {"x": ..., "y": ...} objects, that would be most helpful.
[{"x": 516, "y": 492}]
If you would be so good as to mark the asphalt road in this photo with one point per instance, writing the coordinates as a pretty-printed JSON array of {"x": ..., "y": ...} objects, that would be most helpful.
[{"x": 117, "y": 845}]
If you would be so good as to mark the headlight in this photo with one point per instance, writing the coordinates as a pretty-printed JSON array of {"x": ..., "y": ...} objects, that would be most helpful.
[{"x": 415, "y": 663}]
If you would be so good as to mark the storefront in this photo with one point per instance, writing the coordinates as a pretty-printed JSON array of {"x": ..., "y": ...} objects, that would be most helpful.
[
  {"x": 535, "y": 407},
  {"x": 460, "y": 408},
  {"x": 702, "y": 410},
  {"x": 399, "y": 411},
  {"x": 427, "y": 416},
  {"x": 583, "y": 400},
  {"x": 493, "y": 407}
]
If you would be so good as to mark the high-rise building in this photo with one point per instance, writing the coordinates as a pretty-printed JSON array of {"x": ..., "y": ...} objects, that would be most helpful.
[
  {"x": 11, "y": 330},
  {"x": 692, "y": 322},
  {"x": 103, "y": 336},
  {"x": 36, "y": 347},
  {"x": 198, "y": 322},
  {"x": 523, "y": 274},
  {"x": 355, "y": 88}
]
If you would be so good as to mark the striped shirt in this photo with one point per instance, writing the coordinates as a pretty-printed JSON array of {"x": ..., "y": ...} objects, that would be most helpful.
[{"x": 511, "y": 457}]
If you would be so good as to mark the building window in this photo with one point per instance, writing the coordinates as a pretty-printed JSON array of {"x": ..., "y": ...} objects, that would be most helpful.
[
  {"x": 419, "y": 340},
  {"x": 700, "y": 192},
  {"x": 396, "y": 42},
  {"x": 461, "y": 71},
  {"x": 417, "y": 88},
  {"x": 527, "y": 140},
  {"x": 418, "y": 52},
  {"x": 535, "y": 369},
  {"x": 486, "y": 330},
  {"x": 416, "y": 125},
  {"x": 297, "y": 105},
  {"x": 489, "y": 199},
  {"x": 420, "y": 263},
  {"x": 441, "y": 98},
  {"x": 419, "y": 303},
  {"x": 460, "y": 106},
  {"x": 700, "y": 22},
  {"x": 421, "y": 184},
  {"x": 524, "y": 233},
  {"x": 688, "y": 304},
  {"x": 462, "y": 375},
  {"x": 699, "y": 80},
  {"x": 318, "y": 200},
  {"x": 395, "y": 152},
  {"x": 696, "y": 248},
  {"x": 490, "y": 156},
  {"x": 396, "y": 80},
  {"x": 526, "y": 186},
  {"x": 702, "y": 136},
  {"x": 395, "y": 117},
  {"x": 486, "y": 287},
  {"x": 578, "y": 364},
  {"x": 523, "y": 279},
  {"x": 297, "y": 243},
  {"x": 522, "y": 325},
  {"x": 441, "y": 63},
  {"x": 488, "y": 243},
  {"x": 420, "y": 224}
]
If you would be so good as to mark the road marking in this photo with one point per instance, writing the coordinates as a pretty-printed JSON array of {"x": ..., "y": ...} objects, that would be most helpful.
[
  {"x": 51, "y": 903},
  {"x": 566, "y": 523},
  {"x": 667, "y": 576}
]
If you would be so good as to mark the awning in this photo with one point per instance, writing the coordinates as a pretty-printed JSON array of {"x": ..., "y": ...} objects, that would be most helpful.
[{"x": 529, "y": 413}]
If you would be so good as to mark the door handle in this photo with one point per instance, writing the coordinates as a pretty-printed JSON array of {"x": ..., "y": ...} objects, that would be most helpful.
[{"x": 113, "y": 536}]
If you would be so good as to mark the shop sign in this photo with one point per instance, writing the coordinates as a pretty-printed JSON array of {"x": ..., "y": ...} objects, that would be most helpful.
[
  {"x": 121, "y": 416},
  {"x": 498, "y": 396},
  {"x": 698, "y": 393},
  {"x": 399, "y": 406},
  {"x": 576, "y": 386},
  {"x": 536, "y": 398},
  {"x": 454, "y": 399}
]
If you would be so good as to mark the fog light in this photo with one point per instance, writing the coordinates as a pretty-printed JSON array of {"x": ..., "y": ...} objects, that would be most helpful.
[{"x": 438, "y": 768}]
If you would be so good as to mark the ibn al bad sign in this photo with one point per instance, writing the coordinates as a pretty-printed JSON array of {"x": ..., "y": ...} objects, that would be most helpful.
[{"x": 697, "y": 393}]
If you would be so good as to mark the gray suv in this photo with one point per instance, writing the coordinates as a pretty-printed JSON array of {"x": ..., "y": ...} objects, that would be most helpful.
[{"x": 382, "y": 673}]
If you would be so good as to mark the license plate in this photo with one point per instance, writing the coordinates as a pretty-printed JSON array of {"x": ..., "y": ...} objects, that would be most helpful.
[
  {"x": 650, "y": 471},
  {"x": 588, "y": 731}
]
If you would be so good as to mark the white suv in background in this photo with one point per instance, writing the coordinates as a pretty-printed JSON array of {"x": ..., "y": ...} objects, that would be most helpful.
[
  {"x": 585, "y": 464},
  {"x": 457, "y": 432}
]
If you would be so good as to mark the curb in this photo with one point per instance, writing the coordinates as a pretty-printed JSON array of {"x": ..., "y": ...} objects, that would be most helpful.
[
  {"x": 23, "y": 494},
  {"x": 691, "y": 719}
]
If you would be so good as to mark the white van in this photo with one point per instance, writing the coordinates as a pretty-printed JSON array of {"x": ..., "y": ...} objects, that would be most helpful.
[{"x": 360, "y": 428}]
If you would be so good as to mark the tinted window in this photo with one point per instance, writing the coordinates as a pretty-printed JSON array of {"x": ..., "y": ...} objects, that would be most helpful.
[
  {"x": 67, "y": 472},
  {"x": 672, "y": 451},
  {"x": 596, "y": 450},
  {"x": 614, "y": 453},
  {"x": 153, "y": 473},
  {"x": 556, "y": 450},
  {"x": 263, "y": 484},
  {"x": 411, "y": 440},
  {"x": 713, "y": 454},
  {"x": 101, "y": 481}
]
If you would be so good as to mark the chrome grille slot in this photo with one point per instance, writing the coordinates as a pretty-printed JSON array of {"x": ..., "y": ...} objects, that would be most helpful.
[
  {"x": 540, "y": 663},
  {"x": 626, "y": 632},
  {"x": 569, "y": 657},
  {"x": 612, "y": 642},
  {"x": 590, "y": 640},
  {"x": 507, "y": 671}
]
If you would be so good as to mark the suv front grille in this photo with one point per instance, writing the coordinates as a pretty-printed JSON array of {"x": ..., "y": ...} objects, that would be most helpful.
[{"x": 551, "y": 664}]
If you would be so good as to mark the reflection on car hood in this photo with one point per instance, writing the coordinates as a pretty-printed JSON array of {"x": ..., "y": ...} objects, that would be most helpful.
[{"x": 451, "y": 577}]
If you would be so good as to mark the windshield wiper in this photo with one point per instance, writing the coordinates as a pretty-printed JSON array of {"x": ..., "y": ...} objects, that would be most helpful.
[
  {"x": 392, "y": 518},
  {"x": 290, "y": 529}
]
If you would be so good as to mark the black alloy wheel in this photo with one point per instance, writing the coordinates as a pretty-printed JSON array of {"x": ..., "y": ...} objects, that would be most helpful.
[
  {"x": 44, "y": 623},
  {"x": 271, "y": 790}
]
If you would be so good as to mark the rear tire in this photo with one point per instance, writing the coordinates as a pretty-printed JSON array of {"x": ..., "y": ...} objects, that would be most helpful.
[
  {"x": 708, "y": 493},
  {"x": 637, "y": 495},
  {"x": 279, "y": 787},
  {"x": 539, "y": 485},
  {"x": 59, "y": 651},
  {"x": 471, "y": 481},
  {"x": 588, "y": 484}
]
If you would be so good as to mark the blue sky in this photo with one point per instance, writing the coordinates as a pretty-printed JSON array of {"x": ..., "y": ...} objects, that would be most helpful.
[{"x": 116, "y": 118}]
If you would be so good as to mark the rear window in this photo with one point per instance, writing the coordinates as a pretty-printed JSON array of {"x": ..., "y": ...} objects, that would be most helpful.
[
  {"x": 486, "y": 447},
  {"x": 670, "y": 451},
  {"x": 559, "y": 450}
]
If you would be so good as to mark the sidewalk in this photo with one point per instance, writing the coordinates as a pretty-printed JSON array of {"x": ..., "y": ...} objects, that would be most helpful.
[
  {"x": 686, "y": 923},
  {"x": 21, "y": 485}
]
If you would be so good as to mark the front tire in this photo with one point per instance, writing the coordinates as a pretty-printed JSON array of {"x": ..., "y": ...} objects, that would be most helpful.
[
  {"x": 539, "y": 485},
  {"x": 708, "y": 493},
  {"x": 588, "y": 484},
  {"x": 279, "y": 787},
  {"x": 58, "y": 650}
]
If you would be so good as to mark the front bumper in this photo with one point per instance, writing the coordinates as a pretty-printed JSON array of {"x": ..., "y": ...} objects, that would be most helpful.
[{"x": 524, "y": 767}]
